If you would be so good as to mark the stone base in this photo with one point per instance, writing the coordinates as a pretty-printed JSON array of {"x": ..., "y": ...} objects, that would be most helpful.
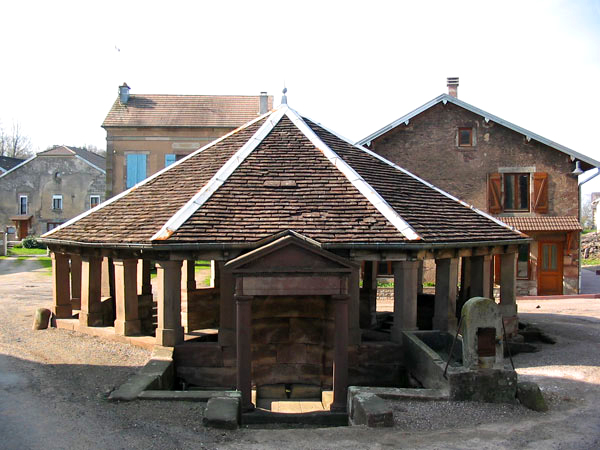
[
  {"x": 169, "y": 337},
  {"x": 127, "y": 327},
  {"x": 369, "y": 410},
  {"x": 91, "y": 319},
  {"x": 223, "y": 412},
  {"x": 62, "y": 311}
]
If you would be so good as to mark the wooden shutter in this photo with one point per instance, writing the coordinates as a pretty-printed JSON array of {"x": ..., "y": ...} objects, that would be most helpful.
[
  {"x": 494, "y": 193},
  {"x": 540, "y": 192}
]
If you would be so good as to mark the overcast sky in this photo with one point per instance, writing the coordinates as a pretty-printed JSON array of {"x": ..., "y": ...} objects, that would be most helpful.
[{"x": 353, "y": 66}]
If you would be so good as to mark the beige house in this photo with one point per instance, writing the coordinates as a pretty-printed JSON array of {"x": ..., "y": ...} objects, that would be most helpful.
[
  {"x": 147, "y": 132},
  {"x": 50, "y": 188}
]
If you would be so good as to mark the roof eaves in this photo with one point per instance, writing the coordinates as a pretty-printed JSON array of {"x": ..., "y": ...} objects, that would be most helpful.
[
  {"x": 18, "y": 165},
  {"x": 357, "y": 181},
  {"x": 187, "y": 210}
]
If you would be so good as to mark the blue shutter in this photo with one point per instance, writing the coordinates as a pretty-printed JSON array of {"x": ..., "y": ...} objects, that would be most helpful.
[
  {"x": 141, "y": 167},
  {"x": 131, "y": 170},
  {"x": 169, "y": 159}
]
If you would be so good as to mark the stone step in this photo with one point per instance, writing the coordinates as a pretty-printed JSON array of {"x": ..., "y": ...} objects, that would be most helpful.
[
  {"x": 191, "y": 396},
  {"x": 321, "y": 419}
]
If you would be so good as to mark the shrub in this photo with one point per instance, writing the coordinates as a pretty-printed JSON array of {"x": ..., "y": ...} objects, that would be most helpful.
[{"x": 32, "y": 242}]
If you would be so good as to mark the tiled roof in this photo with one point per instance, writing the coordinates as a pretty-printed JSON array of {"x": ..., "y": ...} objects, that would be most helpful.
[
  {"x": 91, "y": 157},
  {"x": 7, "y": 163},
  {"x": 155, "y": 110},
  {"x": 543, "y": 223},
  {"x": 283, "y": 173}
]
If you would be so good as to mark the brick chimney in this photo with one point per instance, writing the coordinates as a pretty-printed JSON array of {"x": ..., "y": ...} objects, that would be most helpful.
[
  {"x": 124, "y": 94},
  {"x": 264, "y": 103},
  {"x": 452, "y": 86}
]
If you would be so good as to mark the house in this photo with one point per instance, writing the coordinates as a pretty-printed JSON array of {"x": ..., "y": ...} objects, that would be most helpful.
[
  {"x": 50, "y": 188},
  {"x": 524, "y": 179},
  {"x": 288, "y": 212},
  {"x": 7, "y": 163},
  {"x": 147, "y": 132}
]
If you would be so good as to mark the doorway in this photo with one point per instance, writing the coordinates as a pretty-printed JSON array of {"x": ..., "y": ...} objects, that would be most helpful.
[{"x": 550, "y": 268}]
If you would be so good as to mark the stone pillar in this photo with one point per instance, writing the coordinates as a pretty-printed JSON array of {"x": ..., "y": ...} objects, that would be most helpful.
[
  {"x": 144, "y": 285},
  {"x": 508, "y": 292},
  {"x": 227, "y": 308},
  {"x": 368, "y": 296},
  {"x": 145, "y": 300},
  {"x": 188, "y": 275},
  {"x": 405, "y": 298},
  {"x": 108, "y": 273},
  {"x": 446, "y": 281},
  {"x": 481, "y": 276},
  {"x": 215, "y": 274},
  {"x": 60, "y": 286},
  {"x": 244, "y": 349},
  {"x": 420, "y": 278},
  {"x": 91, "y": 281},
  {"x": 76, "y": 281},
  {"x": 340, "y": 356},
  {"x": 354, "y": 307},
  {"x": 169, "y": 331},
  {"x": 127, "y": 322}
]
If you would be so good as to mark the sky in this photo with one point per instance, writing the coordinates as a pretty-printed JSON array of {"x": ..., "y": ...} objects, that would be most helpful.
[{"x": 354, "y": 66}]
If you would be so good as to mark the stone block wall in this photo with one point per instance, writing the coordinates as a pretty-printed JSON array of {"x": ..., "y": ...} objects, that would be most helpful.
[{"x": 201, "y": 309}]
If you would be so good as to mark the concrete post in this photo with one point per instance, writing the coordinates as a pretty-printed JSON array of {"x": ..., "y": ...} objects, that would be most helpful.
[
  {"x": 144, "y": 277},
  {"x": 127, "y": 322},
  {"x": 481, "y": 276},
  {"x": 405, "y": 298},
  {"x": 244, "y": 349},
  {"x": 91, "y": 281},
  {"x": 446, "y": 281},
  {"x": 508, "y": 292},
  {"x": 169, "y": 331},
  {"x": 340, "y": 356},
  {"x": 76, "y": 281},
  {"x": 60, "y": 286}
]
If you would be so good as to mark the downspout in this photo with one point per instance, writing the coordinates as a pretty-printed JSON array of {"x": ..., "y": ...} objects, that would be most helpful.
[{"x": 579, "y": 218}]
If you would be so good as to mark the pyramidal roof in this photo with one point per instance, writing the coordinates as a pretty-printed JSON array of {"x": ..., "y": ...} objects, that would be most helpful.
[{"x": 282, "y": 172}]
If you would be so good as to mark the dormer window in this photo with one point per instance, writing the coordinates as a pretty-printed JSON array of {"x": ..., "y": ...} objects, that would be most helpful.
[{"x": 465, "y": 137}]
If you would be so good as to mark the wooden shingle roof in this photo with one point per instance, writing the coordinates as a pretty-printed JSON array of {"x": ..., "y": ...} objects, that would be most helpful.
[
  {"x": 279, "y": 173},
  {"x": 141, "y": 110}
]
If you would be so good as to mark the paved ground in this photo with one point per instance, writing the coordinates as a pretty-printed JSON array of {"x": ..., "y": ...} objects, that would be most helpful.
[
  {"x": 54, "y": 383},
  {"x": 590, "y": 282}
]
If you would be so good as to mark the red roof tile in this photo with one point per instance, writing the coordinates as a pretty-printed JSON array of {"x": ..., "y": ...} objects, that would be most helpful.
[{"x": 543, "y": 223}]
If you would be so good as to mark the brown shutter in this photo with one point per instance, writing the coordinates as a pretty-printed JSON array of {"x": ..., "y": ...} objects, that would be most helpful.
[
  {"x": 494, "y": 193},
  {"x": 540, "y": 192}
]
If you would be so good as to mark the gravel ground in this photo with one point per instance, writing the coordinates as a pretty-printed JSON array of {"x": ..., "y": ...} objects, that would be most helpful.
[{"x": 54, "y": 383}]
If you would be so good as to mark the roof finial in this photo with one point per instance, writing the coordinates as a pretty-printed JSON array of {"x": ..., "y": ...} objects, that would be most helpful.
[{"x": 284, "y": 97}]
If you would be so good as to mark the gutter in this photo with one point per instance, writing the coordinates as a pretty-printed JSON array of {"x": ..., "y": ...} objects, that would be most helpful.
[{"x": 579, "y": 217}]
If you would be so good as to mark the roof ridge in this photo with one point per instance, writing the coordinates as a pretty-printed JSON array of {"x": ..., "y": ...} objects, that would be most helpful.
[
  {"x": 357, "y": 181},
  {"x": 217, "y": 180}
]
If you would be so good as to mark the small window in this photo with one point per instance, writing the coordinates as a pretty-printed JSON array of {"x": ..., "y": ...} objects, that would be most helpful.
[
  {"x": 57, "y": 202},
  {"x": 94, "y": 201},
  {"x": 523, "y": 262},
  {"x": 516, "y": 191},
  {"x": 465, "y": 137},
  {"x": 170, "y": 159},
  {"x": 52, "y": 225},
  {"x": 23, "y": 204}
]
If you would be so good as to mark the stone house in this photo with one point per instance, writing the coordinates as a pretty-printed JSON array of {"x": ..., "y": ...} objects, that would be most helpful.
[
  {"x": 147, "y": 132},
  {"x": 50, "y": 188},
  {"x": 287, "y": 211},
  {"x": 524, "y": 179}
]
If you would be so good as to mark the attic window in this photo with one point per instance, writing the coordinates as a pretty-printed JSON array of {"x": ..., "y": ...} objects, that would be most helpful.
[{"x": 465, "y": 137}]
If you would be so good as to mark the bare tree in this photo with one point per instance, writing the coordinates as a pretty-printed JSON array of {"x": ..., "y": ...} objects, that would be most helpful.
[
  {"x": 14, "y": 142},
  {"x": 587, "y": 214}
]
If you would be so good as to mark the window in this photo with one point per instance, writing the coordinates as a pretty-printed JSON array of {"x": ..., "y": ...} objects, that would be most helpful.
[
  {"x": 52, "y": 225},
  {"x": 23, "y": 204},
  {"x": 516, "y": 191},
  {"x": 523, "y": 262},
  {"x": 57, "y": 202},
  {"x": 170, "y": 159},
  {"x": 136, "y": 168},
  {"x": 94, "y": 201},
  {"x": 465, "y": 137}
]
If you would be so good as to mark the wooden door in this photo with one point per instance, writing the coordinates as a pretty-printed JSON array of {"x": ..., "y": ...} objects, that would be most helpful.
[
  {"x": 550, "y": 268},
  {"x": 22, "y": 229}
]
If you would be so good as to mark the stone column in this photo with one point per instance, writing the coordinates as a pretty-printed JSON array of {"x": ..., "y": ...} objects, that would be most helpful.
[
  {"x": 188, "y": 275},
  {"x": 244, "y": 349},
  {"x": 405, "y": 298},
  {"x": 60, "y": 286},
  {"x": 91, "y": 281},
  {"x": 481, "y": 276},
  {"x": 420, "y": 278},
  {"x": 354, "y": 307},
  {"x": 368, "y": 296},
  {"x": 340, "y": 356},
  {"x": 127, "y": 320},
  {"x": 169, "y": 331},
  {"x": 215, "y": 274},
  {"x": 446, "y": 281},
  {"x": 76, "y": 281},
  {"x": 508, "y": 292},
  {"x": 108, "y": 282},
  {"x": 144, "y": 285},
  {"x": 145, "y": 300}
]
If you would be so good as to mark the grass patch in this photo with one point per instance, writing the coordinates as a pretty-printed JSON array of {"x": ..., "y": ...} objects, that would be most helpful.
[
  {"x": 15, "y": 251},
  {"x": 590, "y": 262}
]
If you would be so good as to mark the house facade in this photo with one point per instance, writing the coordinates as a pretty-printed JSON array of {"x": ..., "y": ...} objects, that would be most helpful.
[
  {"x": 525, "y": 180},
  {"x": 50, "y": 188},
  {"x": 146, "y": 133}
]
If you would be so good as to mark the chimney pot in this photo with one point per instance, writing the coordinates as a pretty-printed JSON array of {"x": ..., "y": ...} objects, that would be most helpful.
[
  {"x": 452, "y": 83},
  {"x": 124, "y": 94},
  {"x": 264, "y": 103}
]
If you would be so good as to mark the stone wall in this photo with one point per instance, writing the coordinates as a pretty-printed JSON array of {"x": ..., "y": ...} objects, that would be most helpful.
[{"x": 201, "y": 309}]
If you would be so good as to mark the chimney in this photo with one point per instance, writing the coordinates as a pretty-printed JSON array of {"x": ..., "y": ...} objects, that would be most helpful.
[
  {"x": 452, "y": 86},
  {"x": 264, "y": 103},
  {"x": 124, "y": 94}
]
